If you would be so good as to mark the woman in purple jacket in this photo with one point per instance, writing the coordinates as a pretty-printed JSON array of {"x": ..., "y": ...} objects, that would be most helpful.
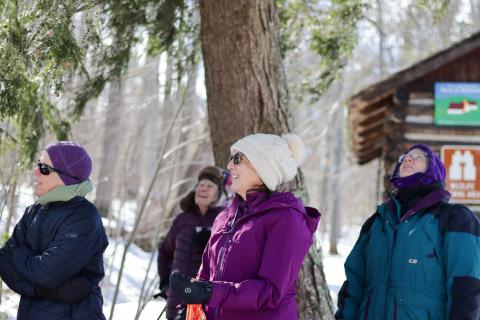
[{"x": 258, "y": 244}]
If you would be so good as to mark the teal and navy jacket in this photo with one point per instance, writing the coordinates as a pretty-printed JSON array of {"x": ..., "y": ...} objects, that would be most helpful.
[{"x": 422, "y": 265}]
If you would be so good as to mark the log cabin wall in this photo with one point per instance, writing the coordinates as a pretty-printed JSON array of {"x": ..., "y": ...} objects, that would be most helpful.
[
  {"x": 390, "y": 116},
  {"x": 394, "y": 131}
]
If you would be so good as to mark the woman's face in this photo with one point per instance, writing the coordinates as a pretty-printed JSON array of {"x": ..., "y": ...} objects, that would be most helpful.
[
  {"x": 413, "y": 162},
  {"x": 244, "y": 176},
  {"x": 45, "y": 183},
  {"x": 206, "y": 193}
]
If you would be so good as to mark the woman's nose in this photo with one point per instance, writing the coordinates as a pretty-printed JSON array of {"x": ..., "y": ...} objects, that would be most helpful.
[{"x": 408, "y": 158}]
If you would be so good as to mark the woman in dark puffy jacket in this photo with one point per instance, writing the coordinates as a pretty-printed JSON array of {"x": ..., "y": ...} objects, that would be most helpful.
[
  {"x": 418, "y": 256},
  {"x": 184, "y": 243},
  {"x": 54, "y": 258}
]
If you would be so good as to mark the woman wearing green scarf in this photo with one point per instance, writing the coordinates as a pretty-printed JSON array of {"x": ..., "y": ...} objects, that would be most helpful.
[{"x": 54, "y": 257}]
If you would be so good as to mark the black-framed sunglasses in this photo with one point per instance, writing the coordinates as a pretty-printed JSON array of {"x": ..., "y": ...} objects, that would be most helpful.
[
  {"x": 236, "y": 158},
  {"x": 45, "y": 169}
]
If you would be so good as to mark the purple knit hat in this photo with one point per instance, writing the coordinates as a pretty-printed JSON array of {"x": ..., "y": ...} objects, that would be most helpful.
[
  {"x": 435, "y": 171},
  {"x": 71, "y": 158}
]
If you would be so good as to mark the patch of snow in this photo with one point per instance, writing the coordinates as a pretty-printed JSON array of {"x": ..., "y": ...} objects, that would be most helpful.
[{"x": 333, "y": 264}]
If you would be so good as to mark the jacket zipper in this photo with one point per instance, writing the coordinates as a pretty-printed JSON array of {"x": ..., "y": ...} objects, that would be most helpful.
[
  {"x": 230, "y": 231},
  {"x": 394, "y": 244},
  {"x": 221, "y": 259},
  {"x": 220, "y": 265}
]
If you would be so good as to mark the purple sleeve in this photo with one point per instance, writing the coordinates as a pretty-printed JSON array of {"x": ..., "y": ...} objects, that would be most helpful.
[
  {"x": 166, "y": 251},
  {"x": 287, "y": 244}
]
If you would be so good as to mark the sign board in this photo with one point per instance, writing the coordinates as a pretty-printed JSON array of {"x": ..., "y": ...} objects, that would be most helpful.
[
  {"x": 457, "y": 103},
  {"x": 462, "y": 164}
]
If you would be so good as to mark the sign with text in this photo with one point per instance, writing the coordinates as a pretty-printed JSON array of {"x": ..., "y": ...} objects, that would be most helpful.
[
  {"x": 457, "y": 103},
  {"x": 463, "y": 172}
]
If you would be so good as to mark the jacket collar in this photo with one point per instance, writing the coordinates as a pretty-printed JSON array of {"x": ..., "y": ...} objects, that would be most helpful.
[
  {"x": 426, "y": 202},
  {"x": 258, "y": 203}
]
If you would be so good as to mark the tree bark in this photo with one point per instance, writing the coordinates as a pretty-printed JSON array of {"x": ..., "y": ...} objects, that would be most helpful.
[
  {"x": 337, "y": 165},
  {"x": 106, "y": 178},
  {"x": 246, "y": 93},
  {"x": 245, "y": 80}
]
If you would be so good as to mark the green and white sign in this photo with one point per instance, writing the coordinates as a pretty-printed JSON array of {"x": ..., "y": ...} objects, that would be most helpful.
[{"x": 457, "y": 103}]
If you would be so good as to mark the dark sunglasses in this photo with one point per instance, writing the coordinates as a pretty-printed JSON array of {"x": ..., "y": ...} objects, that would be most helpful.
[
  {"x": 236, "y": 158},
  {"x": 45, "y": 169}
]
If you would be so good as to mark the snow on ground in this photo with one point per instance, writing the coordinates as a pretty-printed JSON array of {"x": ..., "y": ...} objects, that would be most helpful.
[
  {"x": 333, "y": 264},
  {"x": 137, "y": 262}
]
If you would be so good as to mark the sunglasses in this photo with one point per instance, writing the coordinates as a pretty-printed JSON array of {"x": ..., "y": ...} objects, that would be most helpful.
[
  {"x": 236, "y": 158},
  {"x": 45, "y": 169}
]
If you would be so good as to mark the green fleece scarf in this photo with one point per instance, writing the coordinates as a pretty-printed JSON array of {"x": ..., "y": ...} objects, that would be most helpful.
[{"x": 65, "y": 193}]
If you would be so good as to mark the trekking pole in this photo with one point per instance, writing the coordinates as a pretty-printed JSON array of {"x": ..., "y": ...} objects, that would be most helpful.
[{"x": 161, "y": 314}]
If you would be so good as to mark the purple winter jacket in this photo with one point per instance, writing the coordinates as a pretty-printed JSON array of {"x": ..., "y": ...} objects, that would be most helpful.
[{"x": 253, "y": 260}]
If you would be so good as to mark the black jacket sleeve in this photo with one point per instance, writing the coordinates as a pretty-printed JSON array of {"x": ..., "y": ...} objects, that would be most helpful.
[
  {"x": 76, "y": 242},
  {"x": 72, "y": 291}
]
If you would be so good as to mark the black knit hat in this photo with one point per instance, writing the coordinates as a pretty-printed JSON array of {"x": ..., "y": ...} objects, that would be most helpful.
[{"x": 211, "y": 173}]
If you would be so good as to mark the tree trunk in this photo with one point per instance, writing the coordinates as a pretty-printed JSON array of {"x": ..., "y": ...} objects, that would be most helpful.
[
  {"x": 247, "y": 93},
  {"x": 245, "y": 80},
  {"x": 337, "y": 165},
  {"x": 475, "y": 13},
  {"x": 381, "y": 38},
  {"x": 106, "y": 177}
]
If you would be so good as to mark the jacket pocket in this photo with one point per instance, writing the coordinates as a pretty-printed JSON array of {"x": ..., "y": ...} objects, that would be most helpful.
[{"x": 419, "y": 306}]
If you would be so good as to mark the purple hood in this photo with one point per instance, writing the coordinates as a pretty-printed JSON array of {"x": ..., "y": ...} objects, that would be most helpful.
[
  {"x": 259, "y": 202},
  {"x": 435, "y": 171}
]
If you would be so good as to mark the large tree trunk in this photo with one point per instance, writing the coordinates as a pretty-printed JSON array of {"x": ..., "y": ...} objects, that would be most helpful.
[
  {"x": 246, "y": 92},
  {"x": 245, "y": 81}
]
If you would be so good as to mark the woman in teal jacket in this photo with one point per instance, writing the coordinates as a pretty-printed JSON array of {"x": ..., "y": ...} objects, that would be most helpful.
[{"x": 418, "y": 256}]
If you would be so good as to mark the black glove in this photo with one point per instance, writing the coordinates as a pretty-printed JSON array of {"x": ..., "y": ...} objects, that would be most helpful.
[
  {"x": 197, "y": 292},
  {"x": 181, "y": 313},
  {"x": 202, "y": 234},
  {"x": 163, "y": 286}
]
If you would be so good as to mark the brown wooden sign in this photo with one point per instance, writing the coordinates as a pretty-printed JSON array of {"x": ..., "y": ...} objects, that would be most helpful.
[{"x": 462, "y": 164}]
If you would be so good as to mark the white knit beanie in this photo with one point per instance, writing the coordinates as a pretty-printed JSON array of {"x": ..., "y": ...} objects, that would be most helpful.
[{"x": 275, "y": 158}]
